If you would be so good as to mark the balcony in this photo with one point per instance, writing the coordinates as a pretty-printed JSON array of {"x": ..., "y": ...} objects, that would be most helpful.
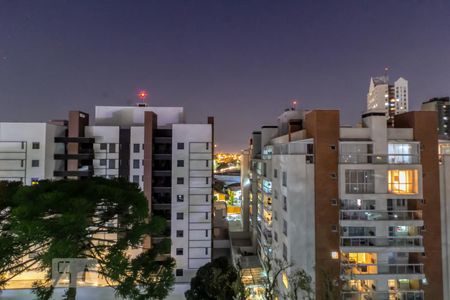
[
  {"x": 370, "y": 271},
  {"x": 79, "y": 140},
  {"x": 378, "y": 215},
  {"x": 401, "y": 243},
  {"x": 366, "y": 158},
  {"x": 391, "y": 295}
]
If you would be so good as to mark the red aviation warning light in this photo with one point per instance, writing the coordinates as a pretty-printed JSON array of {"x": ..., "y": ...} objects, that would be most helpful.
[
  {"x": 294, "y": 104},
  {"x": 142, "y": 95}
]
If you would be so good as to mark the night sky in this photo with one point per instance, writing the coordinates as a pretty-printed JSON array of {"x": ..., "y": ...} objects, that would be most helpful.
[{"x": 241, "y": 61}]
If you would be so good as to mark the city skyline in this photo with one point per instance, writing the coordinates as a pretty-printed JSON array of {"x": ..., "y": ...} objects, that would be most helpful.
[{"x": 230, "y": 60}]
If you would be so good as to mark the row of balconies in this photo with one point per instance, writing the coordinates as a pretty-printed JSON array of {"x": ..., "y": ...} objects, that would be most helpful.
[
  {"x": 379, "y": 215},
  {"x": 377, "y": 241},
  {"x": 379, "y": 269},
  {"x": 391, "y": 295},
  {"x": 366, "y": 158}
]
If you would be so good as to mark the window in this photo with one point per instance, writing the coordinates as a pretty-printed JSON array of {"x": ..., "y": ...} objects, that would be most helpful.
[
  {"x": 403, "y": 181},
  {"x": 275, "y": 173},
  {"x": 179, "y": 272},
  {"x": 284, "y": 203},
  {"x": 179, "y": 251},
  {"x": 284, "y": 252},
  {"x": 180, "y": 180},
  {"x": 206, "y": 233},
  {"x": 284, "y": 179},
  {"x": 112, "y": 148},
  {"x": 334, "y": 228},
  {"x": 334, "y": 202},
  {"x": 275, "y": 236},
  {"x": 180, "y": 146},
  {"x": 180, "y": 198},
  {"x": 35, "y": 163},
  {"x": 206, "y": 198},
  {"x": 207, "y": 163},
  {"x": 180, "y": 216},
  {"x": 136, "y": 148},
  {"x": 35, "y": 145},
  {"x": 206, "y": 180},
  {"x": 102, "y": 162},
  {"x": 275, "y": 215},
  {"x": 103, "y": 146},
  {"x": 136, "y": 163},
  {"x": 136, "y": 178},
  {"x": 285, "y": 227},
  {"x": 206, "y": 215},
  {"x": 403, "y": 153},
  {"x": 180, "y": 233},
  {"x": 22, "y": 163},
  {"x": 112, "y": 163},
  {"x": 206, "y": 251},
  {"x": 359, "y": 181},
  {"x": 180, "y": 163}
]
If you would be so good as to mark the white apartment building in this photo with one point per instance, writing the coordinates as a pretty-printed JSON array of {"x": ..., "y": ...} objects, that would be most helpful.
[
  {"x": 392, "y": 99},
  {"x": 357, "y": 206},
  {"x": 170, "y": 160}
]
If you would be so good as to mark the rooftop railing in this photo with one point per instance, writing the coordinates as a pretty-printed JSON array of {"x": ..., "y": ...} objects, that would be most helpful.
[
  {"x": 367, "y": 158},
  {"x": 414, "y": 241},
  {"x": 373, "y": 269},
  {"x": 377, "y": 215}
]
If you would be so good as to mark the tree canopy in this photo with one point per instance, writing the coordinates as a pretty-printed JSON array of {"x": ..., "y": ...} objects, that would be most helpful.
[
  {"x": 93, "y": 218},
  {"x": 214, "y": 281}
]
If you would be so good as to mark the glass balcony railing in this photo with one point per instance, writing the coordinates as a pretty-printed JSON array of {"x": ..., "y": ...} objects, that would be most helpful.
[
  {"x": 391, "y": 295},
  {"x": 366, "y": 158},
  {"x": 374, "y": 269},
  {"x": 414, "y": 241},
  {"x": 376, "y": 215}
]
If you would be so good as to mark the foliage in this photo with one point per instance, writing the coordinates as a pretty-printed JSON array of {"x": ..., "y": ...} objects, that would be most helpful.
[
  {"x": 216, "y": 280},
  {"x": 92, "y": 218}
]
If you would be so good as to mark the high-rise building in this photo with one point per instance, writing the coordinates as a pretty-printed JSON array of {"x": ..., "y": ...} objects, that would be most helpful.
[
  {"x": 392, "y": 99},
  {"x": 154, "y": 147},
  {"x": 357, "y": 208},
  {"x": 442, "y": 107}
]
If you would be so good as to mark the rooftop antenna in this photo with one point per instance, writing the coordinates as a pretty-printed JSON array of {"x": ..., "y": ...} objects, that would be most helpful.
[
  {"x": 142, "y": 95},
  {"x": 386, "y": 74}
]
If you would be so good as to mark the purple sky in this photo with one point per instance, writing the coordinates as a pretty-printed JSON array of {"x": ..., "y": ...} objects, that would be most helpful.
[{"x": 239, "y": 60}]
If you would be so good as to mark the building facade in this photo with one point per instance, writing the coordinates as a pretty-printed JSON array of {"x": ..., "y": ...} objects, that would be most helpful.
[
  {"x": 393, "y": 99},
  {"x": 442, "y": 107},
  {"x": 170, "y": 160},
  {"x": 357, "y": 208}
]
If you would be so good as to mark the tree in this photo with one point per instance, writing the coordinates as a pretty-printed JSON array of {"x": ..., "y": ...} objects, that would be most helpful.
[
  {"x": 299, "y": 280},
  {"x": 216, "y": 280},
  {"x": 92, "y": 218}
]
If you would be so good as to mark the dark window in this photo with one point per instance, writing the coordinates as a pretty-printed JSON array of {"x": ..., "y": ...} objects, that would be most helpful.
[
  {"x": 35, "y": 163},
  {"x": 102, "y": 162},
  {"x": 284, "y": 179},
  {"x": 21, "y": 163},
  {"x": 180, "y": 163},
  {"x": 207, "y": 163},
  {"x": 179, "y": 272},
  {"x": 334, "y": 228},
  {"x": 112, "y": 148},
  {"x": 136, "y": 178},
  {"x": 180, "y": 180},
  {"x": 180, "y": 216},
  {"x": 334, "y": 202},
  {"x": 206, "y": 198},
  {"x": 180, "y": 146},
  {"x": 206, "y": 180},
  {"x": 102, "y": 146},
  {"x": 206, "y": 232},
  {"x": 207, "y": 146},
  {"x": 206, "y": 215},
  {"x": 285, "y": 227},
  {"x": 284, "y": 252},
  {"x": 275, "y": 173},
  {"x": 112, "y": 163},
  {"x": 275, "y": 236},
  {"x": 179, "y": 251},
  {"x": 284, "y": 203},
  {"x": 180, "y": 198},
  {"x": 136, "y": 148},
  {"x": 35, "y": 145},
  {"x": 206, "y": 251},
  {"x": 136, "y": 163},
  {"x": 180, "y": 233}
]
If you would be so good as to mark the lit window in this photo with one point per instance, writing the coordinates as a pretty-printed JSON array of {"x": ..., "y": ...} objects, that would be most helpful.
[
  {"x": 403, "y": 181},
  {"x": 285, "y": 280},
  {"x": 334, "y": 255}
]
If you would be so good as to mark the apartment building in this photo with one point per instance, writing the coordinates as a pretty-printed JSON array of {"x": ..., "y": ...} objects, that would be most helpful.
[
  {"x": 357, "y": 208},
  {"x": 391, "y": 98},
  {"x": 442, "y": 107},
  {"x": 154, "y": 147}
]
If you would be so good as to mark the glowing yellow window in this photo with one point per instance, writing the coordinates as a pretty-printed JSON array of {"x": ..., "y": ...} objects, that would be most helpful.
[
  {"x": 403, "y": 181},
  {"x": 285, "y": 280}
]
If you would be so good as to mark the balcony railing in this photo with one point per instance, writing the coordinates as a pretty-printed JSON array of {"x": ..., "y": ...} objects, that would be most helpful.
[
  {"x": 366, "y": 158},
  {"x": 372, "y": 295},
  {"x": 377, "y": 215},
  {"x": 374, "y": 269},
  {"x": 416, "y": 241}
]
